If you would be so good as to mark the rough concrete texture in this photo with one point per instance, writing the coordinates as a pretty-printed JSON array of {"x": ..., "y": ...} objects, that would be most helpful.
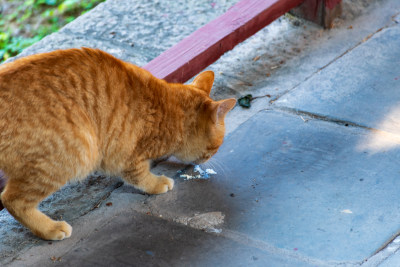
[
  {"x": 135, "y": 31},
  {"x": 392, "y": 261},
  {"x": 118, "y": 235},
  {"x": 297, "y": 185},
  {"x": 355, "y": 91},
  {"x": 306, "y": 177},
  {"x": 70, "y": 203}
]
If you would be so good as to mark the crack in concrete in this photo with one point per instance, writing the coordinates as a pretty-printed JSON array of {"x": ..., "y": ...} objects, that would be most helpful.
[
  {"x": 102, "y": 199},
  {"x": 395, "y": 19},
  {"x": 324, "y": 118},
  {"x": 388, "y": 249},
  {"x": 376, "y": 258},
  {"x": 337, "y": 121}
]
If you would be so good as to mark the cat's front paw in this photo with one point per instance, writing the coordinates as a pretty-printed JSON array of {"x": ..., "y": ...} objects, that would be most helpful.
[
  {"x": 161, "y": 185},
  {"x": 56, "y": 231}
]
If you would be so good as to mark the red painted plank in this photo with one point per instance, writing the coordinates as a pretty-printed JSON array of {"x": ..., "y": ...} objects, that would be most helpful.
[
  {"x": 331, "y": 4},
  {"x": 210, "y": 42}
]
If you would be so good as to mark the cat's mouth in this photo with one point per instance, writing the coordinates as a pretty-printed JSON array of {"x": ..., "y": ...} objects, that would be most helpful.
[
  {"x": 192, "y": 160},
  {"x": 200, "y": 161}
]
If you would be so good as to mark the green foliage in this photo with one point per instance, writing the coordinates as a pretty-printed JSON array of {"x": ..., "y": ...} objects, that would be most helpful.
[{"x": 26, "y": 22}]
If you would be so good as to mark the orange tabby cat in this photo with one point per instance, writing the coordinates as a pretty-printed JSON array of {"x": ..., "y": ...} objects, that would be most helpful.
[{"x": 67, "y": 113}]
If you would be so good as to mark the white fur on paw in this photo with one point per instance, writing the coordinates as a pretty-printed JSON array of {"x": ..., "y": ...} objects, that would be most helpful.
[
  {"x": 164, "y": 184},
  {"x": 171, "y": 183},
  {"x": 60, "y": 231}
]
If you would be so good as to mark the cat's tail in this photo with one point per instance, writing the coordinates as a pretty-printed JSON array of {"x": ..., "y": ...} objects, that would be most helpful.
[{"x": 2, "y": 185}]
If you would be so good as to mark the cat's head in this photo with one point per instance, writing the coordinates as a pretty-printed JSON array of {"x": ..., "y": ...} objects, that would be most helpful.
[{"x": 205, "y": 134}]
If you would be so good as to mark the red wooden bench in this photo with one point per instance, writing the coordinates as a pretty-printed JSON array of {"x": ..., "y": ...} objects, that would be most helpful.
[{"x": 210, "y": 42}]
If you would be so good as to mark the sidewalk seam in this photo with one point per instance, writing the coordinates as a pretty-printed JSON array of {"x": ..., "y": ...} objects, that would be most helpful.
[
  {"x": 330, "y": 62},
  {"x": 326, "y": 118}
]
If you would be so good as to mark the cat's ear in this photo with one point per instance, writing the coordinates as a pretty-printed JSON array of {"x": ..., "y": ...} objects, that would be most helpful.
[
  {"x": 204, "y": 81},
  {"x": 222, "y": 108}
]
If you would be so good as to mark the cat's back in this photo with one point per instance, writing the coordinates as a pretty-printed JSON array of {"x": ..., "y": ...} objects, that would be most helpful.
[
  {"x": 47, "y": 96},
  {"x": 37, "y": 85},
  {"x": 53, "y": 104},
  {"x": 74, "y": 99},
  {"x": 43, "y": 69},
  {"x": 62, "y": 77}
]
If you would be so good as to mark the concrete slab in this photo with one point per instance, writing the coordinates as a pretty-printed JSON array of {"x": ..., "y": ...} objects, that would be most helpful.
[
  {"x": 392, "y": 261},
  {"x": 140, "y": 240},
  {"x": 388, "y": 256},
  {"x": 302, "y": 187},
  {"x": 308, "y": 186},
  {"x": 361, "y": 87},
  {"x": 117, "y": 235},
  {"x": 70, "y": 203},
  {"x": 150, "y": 27}
]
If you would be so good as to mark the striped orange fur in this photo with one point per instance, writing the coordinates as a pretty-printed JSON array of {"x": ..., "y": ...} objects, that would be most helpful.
[{"x": 67, "y": 113}]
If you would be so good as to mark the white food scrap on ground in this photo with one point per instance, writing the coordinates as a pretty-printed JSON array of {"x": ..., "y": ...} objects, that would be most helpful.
[
  {"x": 198, "y": 169},
  {"x": 210, "y": 171},
  {"x": 203, "y": 174},
  {"x": 346, "y": 211}
]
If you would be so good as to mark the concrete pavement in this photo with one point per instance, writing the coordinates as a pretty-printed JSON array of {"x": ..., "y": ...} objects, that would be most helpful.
[{"x": 308, "y": 176}]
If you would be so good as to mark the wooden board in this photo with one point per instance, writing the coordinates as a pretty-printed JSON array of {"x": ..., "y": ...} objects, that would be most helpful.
[{"x": 210, "y": 42}]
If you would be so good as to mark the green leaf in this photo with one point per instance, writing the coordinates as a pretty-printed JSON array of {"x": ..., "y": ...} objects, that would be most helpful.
[
  {"x": 69, "y": 19},
  {"x": 4, "y": 36},
  {"x": 6, "y": 55},
  {"x": 54, "y": 20},
  {"x": 48, "y": 13},
  {"x": 67, "y": 5},
  {"x": 245, "y": 101},
  {"x": 29, "y": 3}
]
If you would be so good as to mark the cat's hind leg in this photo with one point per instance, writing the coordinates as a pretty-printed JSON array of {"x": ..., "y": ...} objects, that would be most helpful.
[
  {"x": 139, "y": 175},
  {"x": 21, "y": 198}
]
